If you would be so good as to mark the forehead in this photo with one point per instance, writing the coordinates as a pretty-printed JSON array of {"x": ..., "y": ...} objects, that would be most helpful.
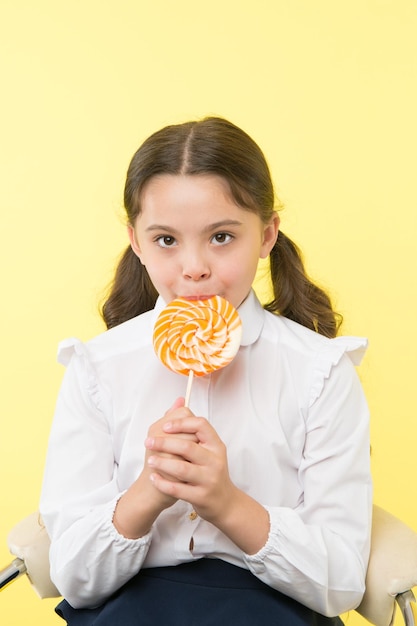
[
  {"x": 190, "y": 201},
  {"x": 170, "y": 189}
]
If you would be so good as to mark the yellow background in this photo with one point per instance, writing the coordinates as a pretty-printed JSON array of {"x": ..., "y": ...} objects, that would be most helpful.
[{"x": 327, "y": 88}]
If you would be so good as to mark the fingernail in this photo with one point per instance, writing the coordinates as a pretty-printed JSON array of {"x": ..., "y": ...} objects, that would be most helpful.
[
  {"x": 168, "y": 426},
  {"x": 151, "y": 460},
  {"x": 149, "y": 441}
]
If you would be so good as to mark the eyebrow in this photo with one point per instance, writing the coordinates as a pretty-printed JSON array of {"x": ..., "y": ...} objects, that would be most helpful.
[{"x": 209, "y": 228}]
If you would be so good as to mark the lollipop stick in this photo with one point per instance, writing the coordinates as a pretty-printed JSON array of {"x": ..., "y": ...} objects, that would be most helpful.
[{"x": 189, "y": 385}]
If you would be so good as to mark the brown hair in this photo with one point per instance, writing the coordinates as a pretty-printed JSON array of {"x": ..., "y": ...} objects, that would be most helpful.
[{"x": 215, "y": 146}]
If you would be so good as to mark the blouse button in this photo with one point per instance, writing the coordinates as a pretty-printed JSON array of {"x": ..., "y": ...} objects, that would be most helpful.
[{"x": 192, "y": 516}]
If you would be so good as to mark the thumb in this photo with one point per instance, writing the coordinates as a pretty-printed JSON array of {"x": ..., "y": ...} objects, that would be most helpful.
[{"x": 177, "y": 404}]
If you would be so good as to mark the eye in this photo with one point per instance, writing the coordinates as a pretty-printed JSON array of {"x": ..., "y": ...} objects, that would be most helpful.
[
  {"x": 165, "y": 241},
  {"x": 220, "y": 239}
]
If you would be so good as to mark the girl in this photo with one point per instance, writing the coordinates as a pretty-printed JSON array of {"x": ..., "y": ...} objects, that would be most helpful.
[{"x": 252, "y": 507}]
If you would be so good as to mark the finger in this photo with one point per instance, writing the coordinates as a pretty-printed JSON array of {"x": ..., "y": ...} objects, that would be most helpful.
[
  {"x": 187, "y": 490},
  {"x": 177, "y": 404},
  {"x": 175, "y": 470},
  {"x": 178, "y": 411},
  {"x": 191, "y": 424},
  {"x": 184, "y": 447},
  {"x": 165, "y": 485}
]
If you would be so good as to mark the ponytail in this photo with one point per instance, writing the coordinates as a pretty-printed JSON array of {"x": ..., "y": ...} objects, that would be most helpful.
[
  {"x": 295, "y": 296},
  {"x": 132, "y": 291}
]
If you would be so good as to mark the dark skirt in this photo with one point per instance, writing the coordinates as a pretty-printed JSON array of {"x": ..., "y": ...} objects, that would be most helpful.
[{"x": 207, "y": 592}]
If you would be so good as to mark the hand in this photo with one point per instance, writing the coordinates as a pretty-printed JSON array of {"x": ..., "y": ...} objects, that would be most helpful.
[
  {"x": 189, "y": 462},
  {"x": 138, "y": 508},
  {"x": 156, "y": 430}
]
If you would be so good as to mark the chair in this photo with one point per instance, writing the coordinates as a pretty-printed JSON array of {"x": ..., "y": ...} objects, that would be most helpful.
[
  {"x": 391, "y": 575},
  {"x": 392, "y": 571},
  {"x": 28, "y": 541}
]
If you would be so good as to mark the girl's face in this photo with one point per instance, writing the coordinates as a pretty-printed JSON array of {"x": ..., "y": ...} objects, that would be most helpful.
[{"x": 196, "y": 242}]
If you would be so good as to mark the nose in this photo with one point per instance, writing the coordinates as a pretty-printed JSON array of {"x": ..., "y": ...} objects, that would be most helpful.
[{"x": 195, "y": 266}]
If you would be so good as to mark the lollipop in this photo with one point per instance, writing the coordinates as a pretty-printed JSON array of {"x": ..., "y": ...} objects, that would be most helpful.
[{"x": 197, "y": 337}]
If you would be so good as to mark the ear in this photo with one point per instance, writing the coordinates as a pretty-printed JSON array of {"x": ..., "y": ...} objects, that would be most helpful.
[
  {"x": 270, "y": 235},
  {"x": 133, "y": 241}
]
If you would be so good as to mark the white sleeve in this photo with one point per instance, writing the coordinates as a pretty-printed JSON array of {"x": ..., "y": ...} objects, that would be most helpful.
[
  {"x": 89, "y": 558},
  {"x": 318, "y": 554}
]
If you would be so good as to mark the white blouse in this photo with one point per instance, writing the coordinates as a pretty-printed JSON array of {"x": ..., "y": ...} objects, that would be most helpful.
[{"x": 292, "y": 413}]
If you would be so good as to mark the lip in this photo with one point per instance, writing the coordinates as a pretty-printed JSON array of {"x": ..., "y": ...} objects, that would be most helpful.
[{"x": 199, "y": 297}]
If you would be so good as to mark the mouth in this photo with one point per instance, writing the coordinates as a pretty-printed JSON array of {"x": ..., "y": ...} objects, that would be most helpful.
[{"x": 199, "y": 297}]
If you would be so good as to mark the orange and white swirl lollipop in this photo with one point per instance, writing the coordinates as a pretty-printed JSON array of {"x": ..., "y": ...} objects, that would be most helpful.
[{"x": 197, "y": 337}]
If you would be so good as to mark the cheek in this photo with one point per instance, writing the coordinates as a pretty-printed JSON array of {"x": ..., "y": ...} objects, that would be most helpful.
[
  {"x": 156, "y": 269},
  {"x": 161, "y": 272},
  {"x": 240, "y": 271}
]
